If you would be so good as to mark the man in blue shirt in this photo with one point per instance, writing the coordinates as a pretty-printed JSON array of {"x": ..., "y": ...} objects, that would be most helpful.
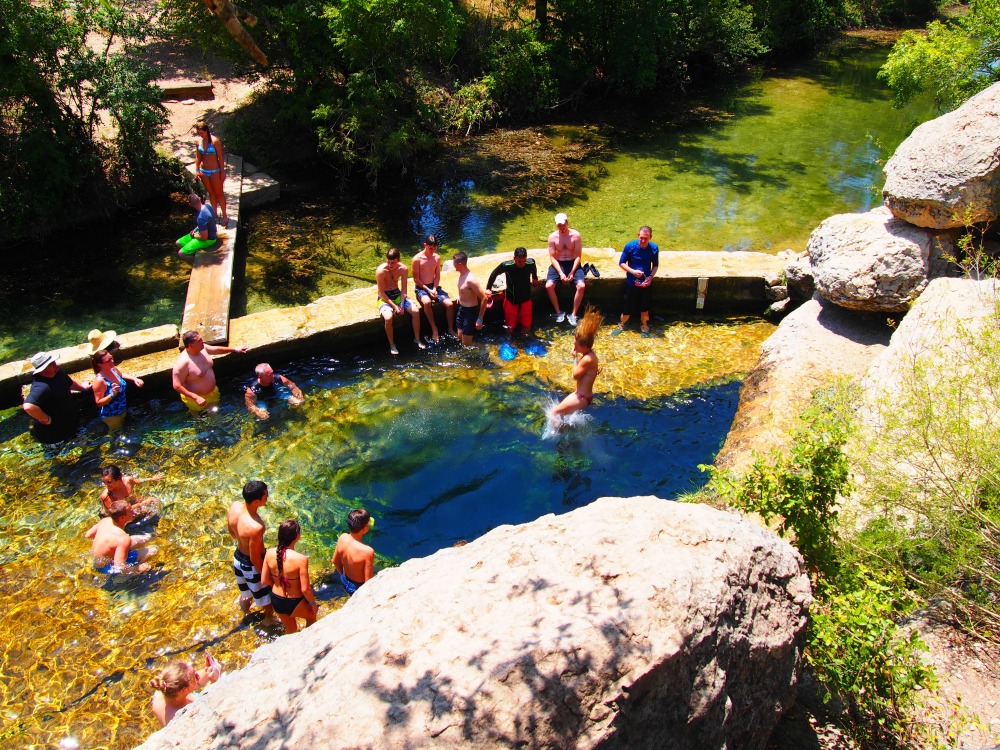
[
  {"x": 639, "y": 260},
  {"x": 205, "y": 234}
]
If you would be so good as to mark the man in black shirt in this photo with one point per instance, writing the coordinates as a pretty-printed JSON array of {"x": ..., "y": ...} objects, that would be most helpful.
[
  {"x": 265, "y": 387},
  {"x": 522, "y": 277},
  {"x": 50, "y": 403}
]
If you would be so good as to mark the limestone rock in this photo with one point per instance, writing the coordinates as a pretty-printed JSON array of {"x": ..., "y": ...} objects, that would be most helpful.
[
  {"x": 874, "y": 261},
  {"x": 778, "y": 309},
  {"x": 947, "y": 173},
  {"x": 631, "y": 622},
  {"x": 776, "y": 293},
  {"x": 816, "y": 345},
  {"x": 799, "y": 279}
]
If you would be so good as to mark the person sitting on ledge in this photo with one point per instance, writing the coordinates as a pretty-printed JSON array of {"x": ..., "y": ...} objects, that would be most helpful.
[
  {"x": 265, "y": 386},
  {"x": 352, "y": 558},
  {"x": 114, "y": 551},
  {"x": 390, "y": 278},
  {"x": 205, "y": 233}
]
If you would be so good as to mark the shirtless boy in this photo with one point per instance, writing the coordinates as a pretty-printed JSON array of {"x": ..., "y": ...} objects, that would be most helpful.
[
  {"x": 427, "y": 280},
  {"x": 247, "y": 528},
  {"x": 118, "y": 486},
  {"x": 565, "y": 251},
  {"x": 194, "y": 373},
  {"x": 352, "y": 558},
  {"x": 585, "y": 367},
  {"x": 391, "y": 278},
  {"x": 472, "y": 300},
  {"x": 111, "y": 543}
]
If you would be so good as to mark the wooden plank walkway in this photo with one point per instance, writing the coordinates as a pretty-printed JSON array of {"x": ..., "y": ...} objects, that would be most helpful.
[{"x": 206, "y": 309}]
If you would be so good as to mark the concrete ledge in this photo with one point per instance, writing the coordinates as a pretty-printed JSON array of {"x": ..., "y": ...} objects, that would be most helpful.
[
  {"x": 735, "y": 282},
  {"x": 258, "y": 189},
  {"x": 185, "y": 89}
]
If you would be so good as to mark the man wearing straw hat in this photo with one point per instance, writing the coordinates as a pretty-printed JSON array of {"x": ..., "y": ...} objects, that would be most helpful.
[{"x": 50, "y": 403}]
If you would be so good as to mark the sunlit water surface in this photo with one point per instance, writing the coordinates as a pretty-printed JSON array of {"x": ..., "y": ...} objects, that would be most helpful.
[{"x": 441, "y": 446}]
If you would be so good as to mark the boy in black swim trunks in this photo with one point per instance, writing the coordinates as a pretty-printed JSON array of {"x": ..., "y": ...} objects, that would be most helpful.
[{"x": 352, "y": 558}]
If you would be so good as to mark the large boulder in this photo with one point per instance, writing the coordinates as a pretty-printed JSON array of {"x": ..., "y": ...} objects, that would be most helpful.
[
  {"x": 947, "y": 173},
  {"x": 818, "y": 344},
  {"x": 874, "y": 261},
  {"x": 629, "y": 623}
]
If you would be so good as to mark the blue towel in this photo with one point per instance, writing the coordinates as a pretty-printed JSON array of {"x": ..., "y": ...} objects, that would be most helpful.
[{"x": 507, "y": 351}]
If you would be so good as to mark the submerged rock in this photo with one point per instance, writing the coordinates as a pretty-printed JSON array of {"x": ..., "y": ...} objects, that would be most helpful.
[
  {"x": 947, "y": 173},
  {"x": 874, "y": 261},
  {"x": 637, "y": 623}
]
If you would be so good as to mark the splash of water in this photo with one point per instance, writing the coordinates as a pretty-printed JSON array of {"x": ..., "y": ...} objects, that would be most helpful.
[{"x": 555, "y": 424}]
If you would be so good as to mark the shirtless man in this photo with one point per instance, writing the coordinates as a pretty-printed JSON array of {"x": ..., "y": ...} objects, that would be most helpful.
[
  {"x": 247, "y": 528},
  {"x": 193, "y": 373},
  {"x": 427, "y": 280},
  {"x": 115, "y": 551},
  {"x": 391, "y": 279},
  {"x": 352, "y": 558},
  {"x": 118, "y": 486},
  {"x": 472, "y": 300},
  {"x": 565, "y": 251},
  {"x": 585, "y": 367}
]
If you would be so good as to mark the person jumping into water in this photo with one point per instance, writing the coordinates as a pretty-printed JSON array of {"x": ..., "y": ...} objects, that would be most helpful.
[{"x": 585, "y": 366}]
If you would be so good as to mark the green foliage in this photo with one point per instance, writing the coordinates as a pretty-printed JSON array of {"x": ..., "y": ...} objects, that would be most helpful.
[
  {"x": 798, "y": 491},
  {"x": 860, "y": 655},
  {"x": 57, "y": 94},
  {"x": 953, "y": 61}
]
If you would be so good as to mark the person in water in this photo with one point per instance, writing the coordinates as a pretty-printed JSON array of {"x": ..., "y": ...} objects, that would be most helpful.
[
  {"x": 247, "y": 528},
  {"x": 175, "y": 686},
  {"x": 114, "y": 551},
  {"x": 50, "y": 402},
  {"x": 118, "y": 486},
  {"x": 210, "y": 163},
  {"x": 109, "y": 389},
  {"x": 391, "y": 279},
  {"x": 287, "y": 573},
  {"x": 522, "y": 276},
  {"x": 352, "y": 558},
  {"x": 205, "y": 232},
  {"x": 265, "y": 387},
  {"x": 193, "y": 374},
  {"x": 585, "y": 365}
]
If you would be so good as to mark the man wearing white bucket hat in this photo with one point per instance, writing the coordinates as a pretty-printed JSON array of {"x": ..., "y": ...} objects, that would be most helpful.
[{"x": 50, "y": 403}]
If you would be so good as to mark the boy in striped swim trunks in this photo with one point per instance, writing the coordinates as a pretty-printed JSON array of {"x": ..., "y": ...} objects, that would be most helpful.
[{"x": 247, "y": 528}]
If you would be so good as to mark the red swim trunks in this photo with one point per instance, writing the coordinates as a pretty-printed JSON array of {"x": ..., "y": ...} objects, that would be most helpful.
[{"x": 587, "y": 400}]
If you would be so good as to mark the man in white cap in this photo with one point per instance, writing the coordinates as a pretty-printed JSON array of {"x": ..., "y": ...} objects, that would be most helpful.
[
  {"x": 565, "y": 251},
  {"x": 50, "y": 403}
]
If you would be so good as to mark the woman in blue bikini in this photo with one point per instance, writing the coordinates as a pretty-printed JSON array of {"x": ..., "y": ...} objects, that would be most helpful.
[
  {"x": 210, "y": 162},
  {"x": 109, "y": 389}
]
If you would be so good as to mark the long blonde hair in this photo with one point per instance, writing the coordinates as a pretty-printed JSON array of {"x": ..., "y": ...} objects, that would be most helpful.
[{"x": 588, "y": 327}]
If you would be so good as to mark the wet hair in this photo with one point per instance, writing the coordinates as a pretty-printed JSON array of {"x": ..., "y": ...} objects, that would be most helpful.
[
  {"x": 111, "y": 471},
  {"x": 287, "y": 533},
  {"x": 520, "y": 252},
  {"x": 588, "y": 326},
  {"x": 188, "y": 337},
  {"x": 202, "y": 125},
  {"x": 118, "y": 508},
  {"x": 460, "y": 257},
  {"x": 173, "y": 679},
  {"x": 254, "y": 490},
  {"x": 645, "y": 228},
  {"x": 431, "y": 240},
  {"x": 97, "y": 357},
  {"x": 357, "y": 519},
  {"x": 392, "y": 254}
]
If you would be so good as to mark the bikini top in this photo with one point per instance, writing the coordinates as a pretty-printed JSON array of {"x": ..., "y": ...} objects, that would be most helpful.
[{"x": 209, "y": 150}]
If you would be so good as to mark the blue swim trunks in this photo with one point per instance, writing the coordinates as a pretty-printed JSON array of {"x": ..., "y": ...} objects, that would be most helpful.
[
  {"x": 348, "y": 584},
  {"x": 132, "y": 559}
]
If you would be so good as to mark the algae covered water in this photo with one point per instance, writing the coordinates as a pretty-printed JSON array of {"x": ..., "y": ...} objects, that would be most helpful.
[{"x": 440, "y": 447}]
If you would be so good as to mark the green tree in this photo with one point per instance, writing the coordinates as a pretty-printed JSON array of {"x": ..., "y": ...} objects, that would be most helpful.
[
  {"x": 953, "y": 61},
  {"x": 79, "y": 116}
]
